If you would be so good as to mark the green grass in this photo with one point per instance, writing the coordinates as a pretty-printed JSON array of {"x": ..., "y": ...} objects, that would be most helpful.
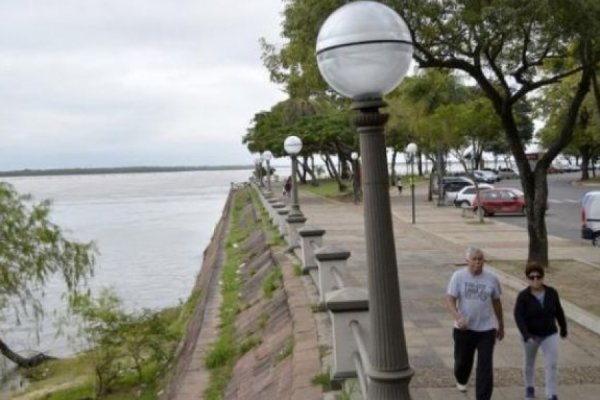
[
  {"x": 328, "y": 188},
  {"x": 272, "y": 282}
]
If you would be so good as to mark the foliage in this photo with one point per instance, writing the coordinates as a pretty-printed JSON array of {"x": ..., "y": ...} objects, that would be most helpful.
[
  {"x": 32, "y": 251},
  {"x": 272, "y": 282},
  {"x": 511, "y": 49},
  {"x": 122, "y": 342}
]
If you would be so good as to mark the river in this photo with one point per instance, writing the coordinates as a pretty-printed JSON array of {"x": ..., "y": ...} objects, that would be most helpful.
[{"x": 151, "y": 230}]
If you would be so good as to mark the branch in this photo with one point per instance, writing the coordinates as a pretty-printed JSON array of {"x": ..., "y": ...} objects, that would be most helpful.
[
  {"x": 566, "y": 133},
  {"x": 530, "y": 86}
]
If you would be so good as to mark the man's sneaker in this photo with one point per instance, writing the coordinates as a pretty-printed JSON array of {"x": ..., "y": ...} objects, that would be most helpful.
[
  {"x": 461, "y": 387},
  {"x": 529, "y": 392},
  {"x": 554, "y": 397}
]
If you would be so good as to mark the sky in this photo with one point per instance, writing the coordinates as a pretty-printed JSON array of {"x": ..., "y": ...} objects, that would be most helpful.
[{"x": 108, "y": 83}]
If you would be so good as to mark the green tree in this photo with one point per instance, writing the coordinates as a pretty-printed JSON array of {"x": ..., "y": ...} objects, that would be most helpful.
[
  {"x": 32, "y": 250},
  {"x": 511, "y": 49}
]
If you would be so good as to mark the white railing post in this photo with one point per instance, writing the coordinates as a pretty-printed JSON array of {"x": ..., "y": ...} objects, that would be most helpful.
[
  {"x": 329, "y": 257},
  {"x": 346, "y": 306},
  {"x": 311, "y": 238}
]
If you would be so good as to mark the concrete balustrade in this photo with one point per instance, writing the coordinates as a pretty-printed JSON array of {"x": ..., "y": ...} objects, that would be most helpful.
[
  {"x": 347, "y": 306},
  {"x": 280, "y": 221},
  {"x": 310, "y": 239},
  {"x": 330, "y": 258}
]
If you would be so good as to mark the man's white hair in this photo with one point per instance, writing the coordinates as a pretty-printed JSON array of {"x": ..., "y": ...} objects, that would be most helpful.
[{"x": 472, "y": 252}]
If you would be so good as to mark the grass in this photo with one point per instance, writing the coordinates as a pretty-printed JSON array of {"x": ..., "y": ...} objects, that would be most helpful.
[
  {"x": 225, "y": 351},
  {"x": 576, "y": 282},
  {"x": 222, "y": 355},
  {"x": 329, "y": 188},
  {"x": 272, "y": 282}
]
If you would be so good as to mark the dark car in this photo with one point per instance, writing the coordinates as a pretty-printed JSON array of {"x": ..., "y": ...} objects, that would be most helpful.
[{"x": 496, "y": 201}]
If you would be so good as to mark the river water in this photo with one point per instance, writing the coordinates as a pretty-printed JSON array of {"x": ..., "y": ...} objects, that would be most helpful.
[{"x": 151, "y": 230}]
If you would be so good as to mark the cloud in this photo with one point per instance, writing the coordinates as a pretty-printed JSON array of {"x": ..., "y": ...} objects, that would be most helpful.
[{"x": 132, "y": 82}]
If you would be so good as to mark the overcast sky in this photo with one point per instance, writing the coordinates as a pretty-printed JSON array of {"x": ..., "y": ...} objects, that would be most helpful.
[{"x": 101, "y": 83}]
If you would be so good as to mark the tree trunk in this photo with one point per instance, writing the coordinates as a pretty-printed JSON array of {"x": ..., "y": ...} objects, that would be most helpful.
[
  {"x": 23, "y": 362},
  {"x": 334, "y": 173},
  {"x": 585, "y": 161},
  {"x": 393, "y": 168},
  {"x": 536, "y": 211}
]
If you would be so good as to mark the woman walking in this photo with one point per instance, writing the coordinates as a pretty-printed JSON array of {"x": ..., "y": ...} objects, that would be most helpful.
[{"x": 537, "y": 311}]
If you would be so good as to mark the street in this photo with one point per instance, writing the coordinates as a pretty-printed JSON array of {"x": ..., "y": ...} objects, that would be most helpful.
[{"x": 563, "y": 217}]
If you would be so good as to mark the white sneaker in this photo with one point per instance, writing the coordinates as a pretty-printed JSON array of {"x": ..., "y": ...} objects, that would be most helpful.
[{"x": 461, "y": 388}]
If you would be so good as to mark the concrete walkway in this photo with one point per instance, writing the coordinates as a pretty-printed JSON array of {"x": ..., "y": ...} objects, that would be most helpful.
[{"x": 428, "y": 253}]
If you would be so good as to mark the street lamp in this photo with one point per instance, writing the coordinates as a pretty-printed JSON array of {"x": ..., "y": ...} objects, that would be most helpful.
[
  {"x": 267, "y": 156},
  {"x": 412, "y": 150},
  {"x": 364, "y": 50},
  {"x": 293, "y": 146},
  {"x": 258, "y": 165},
  {"x": 356, "y": 180}
]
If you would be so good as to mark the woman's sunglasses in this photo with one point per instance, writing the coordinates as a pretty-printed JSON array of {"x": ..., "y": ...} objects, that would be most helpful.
[{"x": 535, "y": 277}]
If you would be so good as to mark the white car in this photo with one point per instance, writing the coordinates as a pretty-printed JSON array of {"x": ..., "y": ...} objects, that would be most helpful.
[{"x": 467, "y": 194}]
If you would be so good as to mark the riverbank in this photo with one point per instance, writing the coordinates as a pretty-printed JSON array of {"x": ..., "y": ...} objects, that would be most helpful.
[
  {"x": 119, "y": 170},
  {"x": 256, "y": 341}
]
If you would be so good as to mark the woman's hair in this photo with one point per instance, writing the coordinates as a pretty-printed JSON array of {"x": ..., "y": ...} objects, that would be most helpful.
[{"x": 534, "y": 266}]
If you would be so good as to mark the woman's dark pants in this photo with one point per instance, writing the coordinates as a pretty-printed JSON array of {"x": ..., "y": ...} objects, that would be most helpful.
[{"x": 465, "y": 344}]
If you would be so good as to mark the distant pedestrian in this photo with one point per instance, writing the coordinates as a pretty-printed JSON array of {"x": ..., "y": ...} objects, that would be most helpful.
[
  {"x": 473, "y": 299},
  {"x": 287, "y": 188},
  {"x": 537, "y": 310},
  {"x": 399, "y": 185}
]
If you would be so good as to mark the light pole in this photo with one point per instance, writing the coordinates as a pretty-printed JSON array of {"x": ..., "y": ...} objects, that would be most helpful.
[
  {"x": 356, "y": 180},
  {"x": 293, "y": 146},
  {"x": 412, "y": 150},
  {"x": 364, "y": 50},
  {"x": 258, "y": 164},
  {"x": 267, "y": 156}
]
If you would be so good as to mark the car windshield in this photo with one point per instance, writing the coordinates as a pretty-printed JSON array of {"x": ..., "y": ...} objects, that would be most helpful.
[{"x": 518, "y": 192}]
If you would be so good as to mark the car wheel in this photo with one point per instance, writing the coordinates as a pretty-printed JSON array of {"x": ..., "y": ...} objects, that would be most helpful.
[
  {"x": 596, "y": 239},
  {"x": 486, "y": 213}
]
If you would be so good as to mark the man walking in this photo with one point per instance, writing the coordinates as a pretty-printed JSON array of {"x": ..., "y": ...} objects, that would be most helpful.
[{"x": 473, "y": 299}]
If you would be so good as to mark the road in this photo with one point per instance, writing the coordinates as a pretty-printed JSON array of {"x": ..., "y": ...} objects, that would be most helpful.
[{"x": 563, "y": 216}]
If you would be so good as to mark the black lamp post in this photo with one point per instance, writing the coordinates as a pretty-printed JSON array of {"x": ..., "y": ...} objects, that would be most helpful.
[
  {"x": 411, "y": 149},
  {"x": 356, "y": 180},
  {"x": 267, "y": 156},
  {"x": 293, "y": 146},
  {"x": 364, "y": 50}
]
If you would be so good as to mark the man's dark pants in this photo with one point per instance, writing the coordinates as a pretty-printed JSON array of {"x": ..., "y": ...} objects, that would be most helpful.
[{"x": 466, "y": 342}]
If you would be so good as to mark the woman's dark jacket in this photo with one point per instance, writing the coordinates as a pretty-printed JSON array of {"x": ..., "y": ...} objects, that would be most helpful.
[{"x": 534, "y": 320}]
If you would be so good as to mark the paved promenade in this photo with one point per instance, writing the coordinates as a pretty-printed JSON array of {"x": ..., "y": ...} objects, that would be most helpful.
[{"x": 428, "y": 253}]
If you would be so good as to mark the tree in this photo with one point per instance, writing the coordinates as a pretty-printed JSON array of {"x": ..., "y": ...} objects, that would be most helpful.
[
  {"x": 32, "y": 250},
  {"x": 511, "y": 49}
]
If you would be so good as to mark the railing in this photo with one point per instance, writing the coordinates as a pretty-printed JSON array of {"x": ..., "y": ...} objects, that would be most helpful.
[{"x": 347, "y": 306}]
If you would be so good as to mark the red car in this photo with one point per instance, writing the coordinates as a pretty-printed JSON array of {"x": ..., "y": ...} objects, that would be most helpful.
[{"x": 496, "y": 201}]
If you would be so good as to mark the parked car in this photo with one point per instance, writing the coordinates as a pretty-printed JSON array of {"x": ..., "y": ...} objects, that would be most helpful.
[
  {"x": 590, "y": 217},
  {"x": 453, "y": 184},
  {"x": 467, "y": 194},
  {"x": 507, "y": 173},
  {"x": 496, "y": 201},
  {"x": 485, "y": 176}
]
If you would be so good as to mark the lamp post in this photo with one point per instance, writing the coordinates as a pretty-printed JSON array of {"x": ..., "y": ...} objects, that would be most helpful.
[
  {"x": 412, "y": 150},
  {"x": 293, "y": 146},
  {"x": 267, "y": 156},
  {"x": 364, "y": 50},
  {"x": 356, "y": 180},
  {"x": 258, "y": 165}
]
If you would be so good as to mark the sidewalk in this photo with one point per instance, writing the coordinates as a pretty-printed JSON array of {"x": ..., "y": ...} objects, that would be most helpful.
[{"x": 428, "y": 253}]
